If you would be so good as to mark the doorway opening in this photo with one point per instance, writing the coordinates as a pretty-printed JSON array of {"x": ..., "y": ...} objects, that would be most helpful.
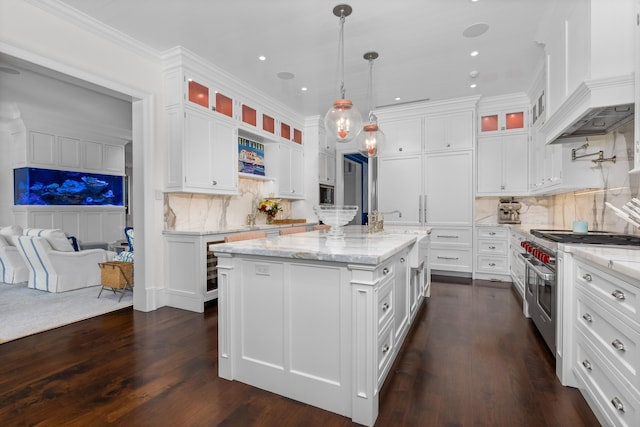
[{"x": 355, "y": 188}]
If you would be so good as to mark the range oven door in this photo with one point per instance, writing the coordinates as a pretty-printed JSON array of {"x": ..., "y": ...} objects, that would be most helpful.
[{"x": 541, "y": 293}]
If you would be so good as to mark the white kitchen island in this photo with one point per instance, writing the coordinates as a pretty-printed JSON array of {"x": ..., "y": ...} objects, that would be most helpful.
[{"x": 316, "y": 320}]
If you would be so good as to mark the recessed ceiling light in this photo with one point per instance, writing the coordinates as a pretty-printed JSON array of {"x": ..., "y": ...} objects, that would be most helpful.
[
  {"x": 304, "y": 89},
  {"x": 475, "y": 30},
  {"x": 398, "y": 98},
  {"x": 262, "y": 58},
  {"x": 473, "y": 74},
  {"x": 285, "y": 75},
  {"x": 473, "y": 85},
  {"x": 474, "y": 53}
]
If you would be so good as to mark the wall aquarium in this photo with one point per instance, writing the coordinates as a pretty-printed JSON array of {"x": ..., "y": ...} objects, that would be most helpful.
[{"x": 32, "y": 186}]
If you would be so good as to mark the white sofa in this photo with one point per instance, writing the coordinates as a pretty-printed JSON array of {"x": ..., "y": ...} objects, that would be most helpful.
[
  {"x": 13, "y": 268},
  {"x": 53, "y": 264}
]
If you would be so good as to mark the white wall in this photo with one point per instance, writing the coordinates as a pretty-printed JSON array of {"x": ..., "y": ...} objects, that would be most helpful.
[{"x": 43, "y": 37}]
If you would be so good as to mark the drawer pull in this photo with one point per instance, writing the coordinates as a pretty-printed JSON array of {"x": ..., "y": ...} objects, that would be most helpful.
[
  {"x": 448, "y": 236},
  {"x": 385, "y": 348},
  {"x": 492, "y": 247},
  {"x": 617, "y": 404},
  {"x": 448, "y": 257},
  {"x": 492, "y": 264},
  {"x": 586, "y": 364},
  {"x": 619, "y": 295},
  {"x": 492, "y": 233},
  {"x": 385, "y": 306},
  {"x": 385, "y": 271},
  {"x": 587, "y": 277},
  {"x": 618, "y": 345},
  {"x": 587, "y": 317}
]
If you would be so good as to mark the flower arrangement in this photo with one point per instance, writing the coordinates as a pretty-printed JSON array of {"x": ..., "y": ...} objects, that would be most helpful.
[{"x": 269, "y": 207}]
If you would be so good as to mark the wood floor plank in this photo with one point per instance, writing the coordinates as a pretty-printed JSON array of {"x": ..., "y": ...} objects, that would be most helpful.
[{"x": 471, "y": 359}]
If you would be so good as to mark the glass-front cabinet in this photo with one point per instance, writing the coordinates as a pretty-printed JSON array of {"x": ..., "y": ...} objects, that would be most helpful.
[{"x": 502, "y": 121}]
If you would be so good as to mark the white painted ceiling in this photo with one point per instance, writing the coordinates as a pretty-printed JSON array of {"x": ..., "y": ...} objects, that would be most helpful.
[{"x": 423, "y": 53}]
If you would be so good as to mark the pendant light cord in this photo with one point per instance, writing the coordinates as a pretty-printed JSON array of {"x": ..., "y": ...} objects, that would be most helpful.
[{"x": 341, "y": 55}]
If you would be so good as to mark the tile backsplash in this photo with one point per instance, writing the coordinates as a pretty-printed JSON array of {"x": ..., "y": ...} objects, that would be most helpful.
[
  {"x": 559, "y": 211},
  {"x": 201, "y": 212}
]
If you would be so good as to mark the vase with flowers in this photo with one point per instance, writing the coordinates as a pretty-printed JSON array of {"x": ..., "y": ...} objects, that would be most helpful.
[{"x": 269, "y": 207}]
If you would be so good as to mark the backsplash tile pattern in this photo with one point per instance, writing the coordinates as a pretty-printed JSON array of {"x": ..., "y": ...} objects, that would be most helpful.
[
  {"x": 559, "y": 211},
  {"x": 201, "y": 212}
]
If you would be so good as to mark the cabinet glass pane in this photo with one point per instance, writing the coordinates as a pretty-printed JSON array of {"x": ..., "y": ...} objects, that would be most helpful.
[
  {"x": 489, "y": 123},
  {"x": 248, "y": 115},
  {"x": 198, "y": 94},
  {"x": 285, "y": 130},
  {"x": 515, "y": 120},
  {"x": 268, "y": 124},
  {"x": 224, "y": 105},
  {"x": 297, "y": 136}
]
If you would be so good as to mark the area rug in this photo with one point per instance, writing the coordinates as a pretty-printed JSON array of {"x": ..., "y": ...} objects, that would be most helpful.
[{"x": 25, "y": 311}]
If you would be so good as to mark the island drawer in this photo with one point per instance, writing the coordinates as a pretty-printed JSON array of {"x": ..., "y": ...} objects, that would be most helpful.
[
  {"x": 385, "y": 303},
  {"x": 617, "y": 341},
  {"x": 621, "y": 296},
  {"x": 385, "y": 352}
]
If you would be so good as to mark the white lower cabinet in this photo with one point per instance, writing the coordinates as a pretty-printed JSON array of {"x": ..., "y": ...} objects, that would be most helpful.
[
  {"x": 492, "y": 253},
  {"x": 606, "y": 343},
  {"x": 451, "y": 249}
]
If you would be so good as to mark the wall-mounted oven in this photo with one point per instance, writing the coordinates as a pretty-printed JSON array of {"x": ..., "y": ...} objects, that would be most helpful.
[{"x": 327, "y": 194}]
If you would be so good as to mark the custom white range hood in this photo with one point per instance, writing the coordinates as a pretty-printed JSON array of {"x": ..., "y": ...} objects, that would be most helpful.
[{"x": 596, "y": 107}]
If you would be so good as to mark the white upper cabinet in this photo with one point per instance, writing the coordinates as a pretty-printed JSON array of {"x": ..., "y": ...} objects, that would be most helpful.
[
  {"x": 503, "y": 165},
  {"x": 285, "y": 162},
  {"x": 453, "y": 131},
  {"x": 402, "y": 136}
]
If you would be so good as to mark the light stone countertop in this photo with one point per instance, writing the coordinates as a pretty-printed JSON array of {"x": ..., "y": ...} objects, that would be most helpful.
[
  {"x": 236, "y": 229},
  {"x": 357, "y": 246},
  {"x": 621, "y": 259}
]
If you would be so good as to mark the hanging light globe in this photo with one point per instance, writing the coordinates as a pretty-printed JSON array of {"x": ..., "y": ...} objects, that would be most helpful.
[
  {"x": 370, "y": 140},
  {"x": 343, "y": 121}
]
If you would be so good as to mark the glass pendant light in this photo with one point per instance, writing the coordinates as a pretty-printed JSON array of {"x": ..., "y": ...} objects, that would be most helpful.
[
  {"x": 371, "y": 138},
  {"x": 343, "y": 121}
]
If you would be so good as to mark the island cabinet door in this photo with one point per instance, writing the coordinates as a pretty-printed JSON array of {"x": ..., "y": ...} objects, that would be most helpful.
[{"x": 292, "y": 330}]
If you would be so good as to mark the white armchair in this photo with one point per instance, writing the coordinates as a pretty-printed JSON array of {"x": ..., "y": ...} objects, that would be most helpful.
[
  {"x": 55, "y": 270},
  {"x": 12, "y": 267}
]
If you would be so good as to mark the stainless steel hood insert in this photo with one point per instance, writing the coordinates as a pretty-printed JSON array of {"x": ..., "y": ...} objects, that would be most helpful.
[{"x": 600, "y": 121}]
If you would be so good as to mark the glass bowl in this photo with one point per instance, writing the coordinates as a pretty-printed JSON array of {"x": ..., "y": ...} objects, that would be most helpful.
[{"x": 336, "y": 216}]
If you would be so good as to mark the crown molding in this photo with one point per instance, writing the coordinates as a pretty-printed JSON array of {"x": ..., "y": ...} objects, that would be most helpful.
[{"x": 98, "y": 28}]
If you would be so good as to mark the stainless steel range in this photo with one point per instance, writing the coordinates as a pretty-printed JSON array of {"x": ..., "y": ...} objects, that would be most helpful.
[{"x": 541, "y": 292}]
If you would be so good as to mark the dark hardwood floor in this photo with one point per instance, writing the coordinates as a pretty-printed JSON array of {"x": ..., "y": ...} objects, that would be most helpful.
[{"x": 471, "y": 359}]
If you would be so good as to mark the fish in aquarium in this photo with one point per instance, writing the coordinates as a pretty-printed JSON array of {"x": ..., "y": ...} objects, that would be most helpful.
[{"x": 34, "y": 186}]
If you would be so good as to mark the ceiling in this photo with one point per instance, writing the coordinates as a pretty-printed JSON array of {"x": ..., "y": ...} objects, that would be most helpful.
[{"x": 423, "y": 52}]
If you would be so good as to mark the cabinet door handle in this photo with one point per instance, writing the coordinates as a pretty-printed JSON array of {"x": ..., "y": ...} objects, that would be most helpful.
[
  {"x": 586, "y": 364},
  {"x": 385, "y": 271},
  {"x": 214, "y": 182},
  {"x": 618, "y": 345},
  {"x": 587, "y": 277},
  {"x": 619, "y": 295},
  {"x": 420, "y": 208},
  {"x": 385, "y": 306},
  {"x": 402, "y": 260},
  {"x": 385, "y": 348},
  {"x": 448, "y": 257},
  {"x": 587, "y": 317},
  {"x": 617, "y": 404}
]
